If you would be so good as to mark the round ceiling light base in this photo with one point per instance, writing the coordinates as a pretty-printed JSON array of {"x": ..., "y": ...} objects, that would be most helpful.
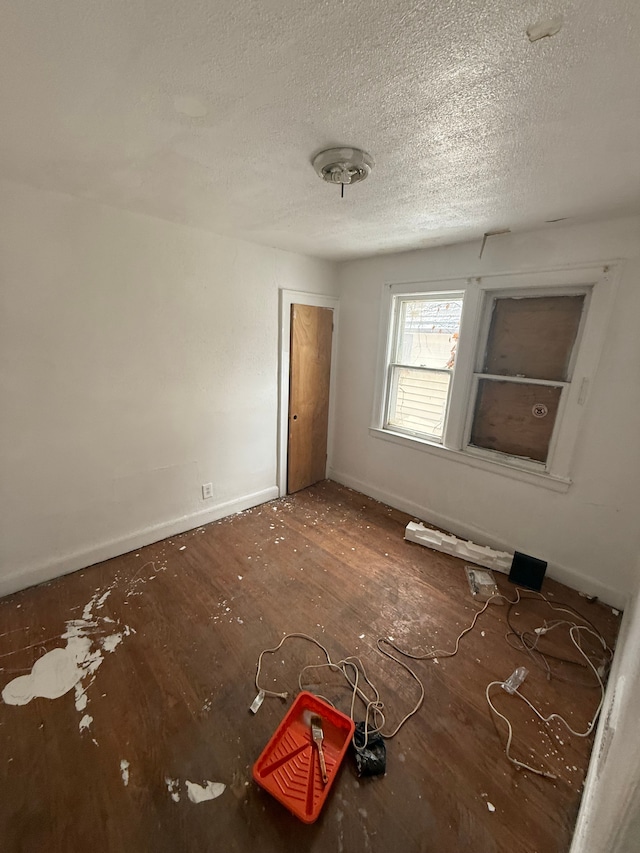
[{"x": 343, "y": 165}]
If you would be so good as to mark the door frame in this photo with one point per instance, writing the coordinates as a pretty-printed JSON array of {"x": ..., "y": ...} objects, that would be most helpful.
[{"x": 287, "y": 299}]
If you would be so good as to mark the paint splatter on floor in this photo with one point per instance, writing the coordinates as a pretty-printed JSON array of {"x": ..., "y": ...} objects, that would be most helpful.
[
  {"x": 199, "y": 793},
  {"x": 173, "y": 787},
  {"x": 124, "y": 770},
  {"x": 74, "y": 666},
  {"x": 52, "y": 675}
]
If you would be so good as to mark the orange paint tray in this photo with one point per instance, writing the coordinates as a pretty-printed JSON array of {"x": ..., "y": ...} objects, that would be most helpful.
[{"x": 289, "y": 768}]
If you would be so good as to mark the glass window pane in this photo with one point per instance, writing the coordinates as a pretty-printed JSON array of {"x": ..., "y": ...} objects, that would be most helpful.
[
  {"x": 428, "y": 331},
  {"x": 515, "y": 418},
  {"x": 418, "y": 400},
  {"x": 533, "y": 337}
]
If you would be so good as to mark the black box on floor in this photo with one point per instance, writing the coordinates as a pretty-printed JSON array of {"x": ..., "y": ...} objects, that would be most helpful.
[{"x": 527, "y": 571}]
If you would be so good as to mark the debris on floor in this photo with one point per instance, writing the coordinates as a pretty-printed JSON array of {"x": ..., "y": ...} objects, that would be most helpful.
[
  {"x": 369, "y": 752},
  {"x": 463, "y": 548},
  {"x": 173, "y": 787},
  {"x": 482, "y": 584},
  {"x": 201, "y": 793}
]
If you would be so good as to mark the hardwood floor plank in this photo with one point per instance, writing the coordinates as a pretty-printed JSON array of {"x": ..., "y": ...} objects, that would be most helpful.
[{"x": 172, "y": 697}]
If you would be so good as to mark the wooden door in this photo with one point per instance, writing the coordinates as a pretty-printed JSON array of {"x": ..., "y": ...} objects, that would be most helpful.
[{"x": 309, "y": 373}]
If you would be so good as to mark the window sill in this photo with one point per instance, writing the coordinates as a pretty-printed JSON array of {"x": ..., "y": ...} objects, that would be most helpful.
[{"x": 546, "y": 481}]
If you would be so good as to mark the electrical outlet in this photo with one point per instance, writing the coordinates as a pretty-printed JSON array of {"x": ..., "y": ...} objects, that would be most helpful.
[{"x": 207, "y": 491}]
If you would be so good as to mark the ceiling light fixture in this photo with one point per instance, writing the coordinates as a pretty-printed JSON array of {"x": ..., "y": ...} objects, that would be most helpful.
[{"x": 343, "y": 166}]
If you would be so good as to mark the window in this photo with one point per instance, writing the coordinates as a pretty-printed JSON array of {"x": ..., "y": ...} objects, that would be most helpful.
[
  {"x": 525, "y": 367},
  {"x": 425, "y": 340},
  {"x": 494, "y": 369}
]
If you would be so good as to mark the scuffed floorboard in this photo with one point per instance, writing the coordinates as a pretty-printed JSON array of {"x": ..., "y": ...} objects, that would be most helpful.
[{"x": 164, "y": 762}]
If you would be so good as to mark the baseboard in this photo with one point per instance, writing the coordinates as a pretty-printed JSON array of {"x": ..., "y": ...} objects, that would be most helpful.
[
  {"x": 115, "y": 547},
  {"x": 567, "y": 576}
]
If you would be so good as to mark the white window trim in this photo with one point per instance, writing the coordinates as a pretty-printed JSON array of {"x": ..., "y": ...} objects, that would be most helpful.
[
  {"x": 393, "y": 344},
  {"x": 598, "y": 281}
]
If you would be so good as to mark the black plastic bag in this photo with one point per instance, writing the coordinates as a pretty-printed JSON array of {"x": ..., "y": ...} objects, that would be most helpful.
[{"x": 371, "y": 757}]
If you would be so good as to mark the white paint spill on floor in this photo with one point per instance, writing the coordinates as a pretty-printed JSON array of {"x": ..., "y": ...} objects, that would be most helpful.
[
  {"x": 74, "y": 666},
  {"x": 110, "y": 643},
  {"x": 210, "y": 790},
  {"x": 173, "y": 787},
  {"x": 52, "y": 675},
  {"x": 124, "y": 770},
  {"x": 81, "y": 697},
  {"x": 491, "y": 807}
]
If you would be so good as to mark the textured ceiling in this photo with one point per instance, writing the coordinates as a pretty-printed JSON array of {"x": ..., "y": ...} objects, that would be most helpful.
[{"x": 209, "y": 113}]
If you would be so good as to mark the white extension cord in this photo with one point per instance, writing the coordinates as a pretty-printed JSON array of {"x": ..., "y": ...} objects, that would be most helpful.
[{"x": 354, "y": 673}]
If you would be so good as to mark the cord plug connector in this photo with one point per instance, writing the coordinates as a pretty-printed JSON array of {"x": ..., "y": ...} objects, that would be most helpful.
[{"x": 515, "y": 679}]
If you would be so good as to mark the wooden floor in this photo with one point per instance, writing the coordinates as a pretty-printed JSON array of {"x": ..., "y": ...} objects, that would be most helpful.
[{"x": 172, "y": 698}]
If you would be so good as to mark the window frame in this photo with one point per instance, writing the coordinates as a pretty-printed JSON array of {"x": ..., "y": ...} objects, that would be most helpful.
[
  {"x": 392, "y": 365},
  {"x": 490, "y": 298},
  {"x": 597, "y": 282}
]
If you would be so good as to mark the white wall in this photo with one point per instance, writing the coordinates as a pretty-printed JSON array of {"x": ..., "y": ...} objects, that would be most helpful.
[
  {"x": 590, "y": 535},
  {"x": 609, "y": 818},
  {"x": 138, "y": 360}
]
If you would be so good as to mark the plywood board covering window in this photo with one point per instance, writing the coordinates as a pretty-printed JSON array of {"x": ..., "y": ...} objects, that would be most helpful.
[
  {"x": 533, "y": 337},
  {"x": 529, "y": 338},
  {"x": 515, "y": 418}
]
